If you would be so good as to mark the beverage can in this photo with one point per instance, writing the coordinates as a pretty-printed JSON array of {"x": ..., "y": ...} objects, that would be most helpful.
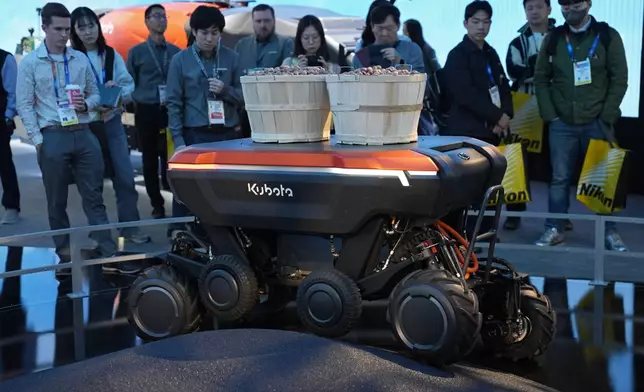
[{"x": 72, "y": 91}]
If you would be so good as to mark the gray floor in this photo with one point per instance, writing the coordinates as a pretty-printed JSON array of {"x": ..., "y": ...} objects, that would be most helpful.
[{"x": 559, "y": 263}]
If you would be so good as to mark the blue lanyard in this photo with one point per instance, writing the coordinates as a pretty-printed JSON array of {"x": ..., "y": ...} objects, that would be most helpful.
[
  {"x": 98, "y": 81},
  {"x": 489, "y": 74},
  {"x": 590, "y": 54},
  {"x": 53, "y": 71}
]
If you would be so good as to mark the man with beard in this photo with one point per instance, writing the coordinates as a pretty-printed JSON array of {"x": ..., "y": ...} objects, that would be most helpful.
[
  {"x": 148, "y": 64},
  {"x": 581, "y": 78},
  {"x": 263, "y": 49}
]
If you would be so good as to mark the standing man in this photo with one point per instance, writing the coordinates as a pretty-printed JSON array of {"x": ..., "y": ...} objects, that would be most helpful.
[
  {"x": 55, "y": 92},
  {"x": 520, "y": 62},
  {"x": 263, "y": 49},
  {"x": 480, "y": 99},
  {"x": 387, "y": 49},
  {"x": 481, "y": 102},
  {"x": 148, "y": 64},
  {"x": 11, "y": 191},
  {"x": 204, "y": 91},
  {"x": 581, "y": 78}
]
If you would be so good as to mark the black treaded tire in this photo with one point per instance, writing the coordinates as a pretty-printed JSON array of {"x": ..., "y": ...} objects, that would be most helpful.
[
  {"x": 543, "y": 322},
  {"x": 228, "y": 288},
  {"x": 163, "y": 303},
  {"x": 459, "y": 310},
  {"x": 329, "y": 288}
]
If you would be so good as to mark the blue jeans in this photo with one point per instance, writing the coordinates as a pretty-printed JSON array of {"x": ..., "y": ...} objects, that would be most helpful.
[
  {"x": 65, "y": 153},
  {"x": 568, "y": 146},
  {"x": 123, "y": 178},
  {"x": 196, "y": 137}
]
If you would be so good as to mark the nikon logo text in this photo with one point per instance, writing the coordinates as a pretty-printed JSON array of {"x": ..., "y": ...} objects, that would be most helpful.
[{"x": 265, "y": 190}]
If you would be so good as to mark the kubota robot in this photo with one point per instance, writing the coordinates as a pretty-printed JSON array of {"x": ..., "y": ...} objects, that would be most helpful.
[{"x": 332, "y": 225}]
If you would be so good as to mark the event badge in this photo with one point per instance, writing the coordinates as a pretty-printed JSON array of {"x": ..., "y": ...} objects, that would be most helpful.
[
  {"x": 216, "y": 112},
  {"x": 582, "y": 73},
  {"x": 496, "y": 96},
  {"x": 162, "y": 94},
  {"x": 67, "y": 114}
]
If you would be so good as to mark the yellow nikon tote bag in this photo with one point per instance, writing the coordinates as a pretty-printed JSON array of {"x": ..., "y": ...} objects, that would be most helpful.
[
  {"x": 515, "y": 181},
  {"x": 527, "y": 125},
  {"x": 603, "y": 183}
]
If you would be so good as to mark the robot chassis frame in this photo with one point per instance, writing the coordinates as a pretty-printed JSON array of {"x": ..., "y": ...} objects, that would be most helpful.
[{"x": 439, "y": 312}]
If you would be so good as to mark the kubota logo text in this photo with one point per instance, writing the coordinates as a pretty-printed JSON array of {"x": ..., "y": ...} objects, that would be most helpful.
[{"x": 266, "y": 190}]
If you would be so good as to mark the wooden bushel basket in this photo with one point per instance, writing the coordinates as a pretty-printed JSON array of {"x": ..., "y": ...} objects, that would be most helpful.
[
  {"x": 376, "y": 109},
  {"x": 287, "y": 109}
]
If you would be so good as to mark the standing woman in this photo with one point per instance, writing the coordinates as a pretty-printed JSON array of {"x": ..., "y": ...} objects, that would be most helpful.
[
  {"x": 310, "y": 47},
  {"x": 109, "y": 70},
  {"x": 428, "y": 125},
  {"x": 413, "y": 30}
]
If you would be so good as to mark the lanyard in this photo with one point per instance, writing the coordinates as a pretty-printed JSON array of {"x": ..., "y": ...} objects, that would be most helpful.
[
  {"x": 590, "y": 54},
  {"x": 156, "y": 61},
  {"x": 98, "y": 81},
  {"x": 54, "y": 72},
  {"x": 215, "y": 68},
  {"x": 489, "y": 74}
]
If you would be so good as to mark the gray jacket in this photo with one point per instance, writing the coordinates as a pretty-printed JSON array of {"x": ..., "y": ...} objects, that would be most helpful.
[
  {"x": 188, "y": 93},
  {"x": 255, "y": 54}
]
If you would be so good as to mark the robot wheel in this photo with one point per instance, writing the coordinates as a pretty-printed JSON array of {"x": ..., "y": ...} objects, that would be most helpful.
[
  {"x": 162, "y": 303},
  {"x": 433, "y": 315},
  {"x": 228, "y": 288},
  {"x": 329, "y": 303},
  {"x": 540, "y": 320}
]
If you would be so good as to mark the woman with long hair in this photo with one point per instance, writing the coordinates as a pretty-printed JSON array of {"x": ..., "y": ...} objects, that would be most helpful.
[
  {"x": 110, "y": 70},
  {"x": 310, "y": 48},
  {"x": 413, "y": 29}
]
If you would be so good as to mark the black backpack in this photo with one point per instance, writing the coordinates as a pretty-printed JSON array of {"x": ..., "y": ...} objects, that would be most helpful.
[{"x": 602, "y": 28}]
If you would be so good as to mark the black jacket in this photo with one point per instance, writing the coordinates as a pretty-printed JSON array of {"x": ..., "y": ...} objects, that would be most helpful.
[{"x": 472, "y": 112}]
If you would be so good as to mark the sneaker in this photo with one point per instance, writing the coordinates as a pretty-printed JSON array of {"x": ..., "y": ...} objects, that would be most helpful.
[
  {"x": 124, "y": 268},
  {"x": 614, "y": 242},
  {"x": 551, "y": 237},
  {"x": 10, "y": 217},
  {"x": 512, "y": 223},
  {"x": 138, "y": 237}
]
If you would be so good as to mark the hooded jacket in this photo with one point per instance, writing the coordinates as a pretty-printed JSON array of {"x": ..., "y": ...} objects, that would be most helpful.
[{"x": 522, "y": 57}]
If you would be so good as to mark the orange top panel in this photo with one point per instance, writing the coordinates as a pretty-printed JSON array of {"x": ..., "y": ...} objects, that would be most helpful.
[{"x": 379, "y": 160}]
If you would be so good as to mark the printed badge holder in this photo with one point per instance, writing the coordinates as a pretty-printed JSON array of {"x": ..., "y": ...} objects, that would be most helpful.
[
  {"x": 216, "y": 114},
  {"x": 66, "y": 111}
]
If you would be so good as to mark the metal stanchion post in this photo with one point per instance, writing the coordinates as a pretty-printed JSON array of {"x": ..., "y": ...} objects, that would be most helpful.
[
  {"x": 77, "y": 268},
  {"x": 600, "y": 252},
  {"x": 598, "y": 316},
  {"x": 79, "y": 328}
]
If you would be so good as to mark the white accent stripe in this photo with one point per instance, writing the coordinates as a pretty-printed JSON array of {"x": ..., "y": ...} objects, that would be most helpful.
[{"x": 400, "y": 174}]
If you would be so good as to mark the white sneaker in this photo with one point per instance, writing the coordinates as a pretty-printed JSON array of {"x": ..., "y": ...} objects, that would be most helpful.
[{"x": 10, "y": 217}]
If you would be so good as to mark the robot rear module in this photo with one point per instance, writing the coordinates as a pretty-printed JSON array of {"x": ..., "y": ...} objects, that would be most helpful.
[{"x": 332, "y": 225}]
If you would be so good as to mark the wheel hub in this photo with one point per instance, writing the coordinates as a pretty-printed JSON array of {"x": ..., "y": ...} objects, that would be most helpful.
[
  {"x": 324, "y": 304},
  {"x": 223, "y": 290}
]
